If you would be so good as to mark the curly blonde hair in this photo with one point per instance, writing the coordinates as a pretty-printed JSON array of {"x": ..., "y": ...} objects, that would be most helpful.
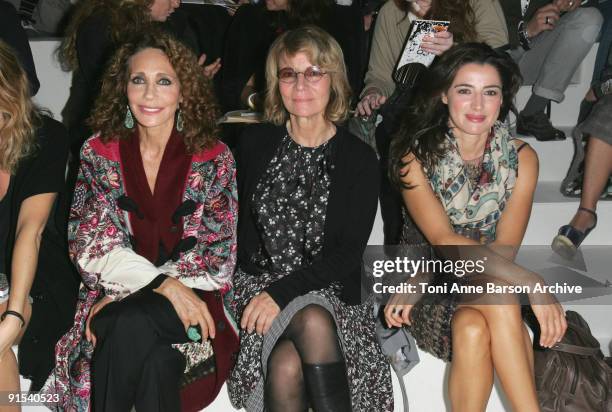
[
  {"x": 322, "y": 50},
  {"x": 126, "y": 18},
  {"x": 199, "y": 107},
  {"x": 17, "y": 136}
]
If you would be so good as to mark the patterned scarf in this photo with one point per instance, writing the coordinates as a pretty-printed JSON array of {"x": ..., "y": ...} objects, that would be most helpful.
[{"x": 474, "y": 210}]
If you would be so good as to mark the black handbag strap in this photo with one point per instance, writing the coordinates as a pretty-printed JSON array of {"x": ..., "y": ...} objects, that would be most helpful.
[{"x": 574, "y": 349}]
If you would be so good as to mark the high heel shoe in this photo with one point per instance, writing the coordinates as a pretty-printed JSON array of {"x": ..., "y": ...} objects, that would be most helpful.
[{"x": 567, "y": 242}]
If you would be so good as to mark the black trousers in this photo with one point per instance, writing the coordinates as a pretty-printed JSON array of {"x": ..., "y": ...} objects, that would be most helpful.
[
  {"x": 391, "y": 202},
  {"x": 134, "y": 364}
]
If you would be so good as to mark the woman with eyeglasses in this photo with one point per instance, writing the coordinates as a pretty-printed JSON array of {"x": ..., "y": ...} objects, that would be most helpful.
[
  {"x": 308, "y": 193},
  {"x": 254, "y": 28}
]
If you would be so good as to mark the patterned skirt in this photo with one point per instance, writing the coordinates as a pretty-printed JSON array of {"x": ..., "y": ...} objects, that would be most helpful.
[
  {"x": 431, "y": 318},
  {"x": 367, "y": 368}
]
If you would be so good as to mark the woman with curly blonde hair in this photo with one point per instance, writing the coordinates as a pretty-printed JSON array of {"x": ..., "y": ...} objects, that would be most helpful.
[
  {"x": 33, "y": 152},
  {"x": 152, "y": 233}
]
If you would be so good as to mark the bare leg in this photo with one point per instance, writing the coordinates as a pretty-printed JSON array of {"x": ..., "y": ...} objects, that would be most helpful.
[
  {"x": 597, "y": 169},
  {"x": 471, "y": 376},
  {"x": 9, "y": 371},
  {"x": 529, "y": 349},
  {"x": 285, "y": 390},
  {"x": 9, "y": 378},
  {"x": 511, "y": 356}
]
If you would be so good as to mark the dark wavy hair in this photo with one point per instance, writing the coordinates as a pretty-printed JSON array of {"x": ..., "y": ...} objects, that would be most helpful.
[
  {"x": 425, "y": 122},
  {"x": 199, "y": 107},
  {"x": 459, "y": 12},
  {"x": 126, "y": 17}
]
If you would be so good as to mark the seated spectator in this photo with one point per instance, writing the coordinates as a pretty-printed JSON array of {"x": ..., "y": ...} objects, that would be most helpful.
[
  {"x": 13, "y": 34},
  {"x": 308, "y": 191},
  {"x": 43, "y": 17},
  {"x": 602, "y": 71},
  {"x": 152, "y": 233},
  {"x": 34, "y": 265},
  {"x": 209, "y": 24},
  {"x": 601, "y": 86},
  {"x": 255, "y": 27},
  {"x": 549, "y": 40},
  {"x": 597, "y": 128},
  {"x": 466, "y": 182},
  {"x": 476, "y": 20}
]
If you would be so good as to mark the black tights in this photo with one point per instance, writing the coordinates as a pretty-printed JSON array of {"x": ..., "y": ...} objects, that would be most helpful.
[{"x": 306, "y": 366}]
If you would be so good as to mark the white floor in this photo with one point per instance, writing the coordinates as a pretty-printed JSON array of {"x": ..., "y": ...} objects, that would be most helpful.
[{"x": 425, "y": 383}]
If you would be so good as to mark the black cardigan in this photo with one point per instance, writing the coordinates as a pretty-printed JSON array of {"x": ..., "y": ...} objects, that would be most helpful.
[
  {"x": 56, "y": 283},
  {"x": 350, "y": 214}
]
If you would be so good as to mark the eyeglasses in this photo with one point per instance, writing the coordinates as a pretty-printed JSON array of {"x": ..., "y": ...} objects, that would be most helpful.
[{"x": 312, "y": 74}]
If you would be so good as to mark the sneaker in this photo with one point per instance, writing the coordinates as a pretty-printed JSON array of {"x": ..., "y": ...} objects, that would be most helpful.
[{"x": 539, "y": 126}]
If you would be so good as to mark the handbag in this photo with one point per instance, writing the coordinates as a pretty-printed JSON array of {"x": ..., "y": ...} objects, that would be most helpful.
[{"x": 573, "y": 375}]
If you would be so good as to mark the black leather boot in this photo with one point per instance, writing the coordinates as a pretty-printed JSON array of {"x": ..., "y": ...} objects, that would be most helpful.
[{"x": 327, "y": 387}]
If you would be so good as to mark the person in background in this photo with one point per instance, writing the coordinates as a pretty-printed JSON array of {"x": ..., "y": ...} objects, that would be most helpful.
[
  {"x": 13, "y": 34},
  {"x": 467, "y": 183},
  {"x": 308, "y": 193},
  {"x": 590, "y": 172},
  {"x": 152, "y": 232},
  {"x": 601, "y": 83},
  {"x": 549, "y": 40},
  {"x": 38, "y": 284},
  {"x": 43, "y": 18},
  {"x": 597, "y": 130}
]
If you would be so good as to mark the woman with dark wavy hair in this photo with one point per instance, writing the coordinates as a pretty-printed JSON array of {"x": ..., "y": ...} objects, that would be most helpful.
[
  {"x": 466, "y": 182},
  {"x": 152, "y": 233},
  {"x": 474, "y": 20},
  {"x": 38, "y": 285}
]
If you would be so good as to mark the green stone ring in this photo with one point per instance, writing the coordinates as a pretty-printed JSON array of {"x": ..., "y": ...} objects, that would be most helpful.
[{"x": 193, "y": 334}]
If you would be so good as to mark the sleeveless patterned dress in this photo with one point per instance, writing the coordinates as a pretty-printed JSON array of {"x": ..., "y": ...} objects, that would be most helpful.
[{"x": 473, "y": 206}]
